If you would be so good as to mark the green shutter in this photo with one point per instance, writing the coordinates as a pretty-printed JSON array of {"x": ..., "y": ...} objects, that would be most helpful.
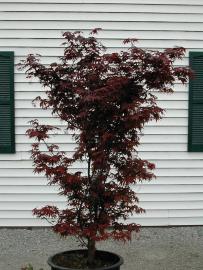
[
  {"x": 195, "y": 126},
  {"x": 7, "y": 137}
]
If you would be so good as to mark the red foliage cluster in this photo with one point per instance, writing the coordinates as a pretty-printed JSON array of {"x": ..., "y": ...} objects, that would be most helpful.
[{"x": 106, "y": 99}]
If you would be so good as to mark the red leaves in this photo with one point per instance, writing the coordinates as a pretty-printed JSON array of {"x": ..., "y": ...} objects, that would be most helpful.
[
  {"x": 123, "y": 231},
  {"x": 175, "y": 53},
  {"x": 40, "y": 132},
  {"x": 46, "y": 211},
  {"x": 113, "y": 58},
  {"x": 130, "y": 40},
  {"x": 106, "y": 136},
  {"x": 43, "y": 103},
  {"x": 66, "y": 229},
  {"x": 105, "y": 100},
  {"x": 95, "y": 31},
  {"x": 183, "y": 74}
]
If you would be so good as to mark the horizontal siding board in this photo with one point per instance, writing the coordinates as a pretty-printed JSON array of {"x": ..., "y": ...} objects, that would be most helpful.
[
  {"x": 140, "y": 189},
  {"x": 20, "y": 130},
  {"x": 171, "y": 155},
  {"x": 97, "y": 16},
  {"x": 145, "y": 139},
  {"x": 161, "y": 172},
  {"x": 100, "y": 7},
  {"x": 157, "y": 188},
  {"x": 32, "y": 197},
  {"x": 179, "y": 163},
  {"x": 58, "y": 51},
  {"x": 149, "y": 214},
  {"x": 179, "y": 172},
  {"x": 179, "y": 62},
  {"x": 160, "y": 163},
  {"x": 159, "y": 147},
  {"x": 13, "y": 172},
  {"x": 152, "y": 205},
  {"x": 170, "y": 197},
  {"x": 160, "y": 180},
  {"x": 105, "y": 34},
  {"x": 176, "y": 206},
  {"x": 11, "y": 206},
  {"x": 175, "y": 155},
  {"x": 173, "y": 205},
  {"x": 111, "y": 25},
  {"x": 186, "y": 220},
  {"x": 108, "y": 42}
]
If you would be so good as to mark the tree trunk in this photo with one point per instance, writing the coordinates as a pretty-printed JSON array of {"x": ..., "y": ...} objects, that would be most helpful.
[{"x": 91, "y": 252}]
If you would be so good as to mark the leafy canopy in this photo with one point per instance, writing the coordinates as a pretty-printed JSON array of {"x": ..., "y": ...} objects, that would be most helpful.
[{"x": 105, "y": 99}]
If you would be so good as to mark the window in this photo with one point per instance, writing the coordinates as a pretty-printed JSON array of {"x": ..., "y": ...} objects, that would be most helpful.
[
  {"x": 7, "y": 137},
  {"x": 195, "y": 125}
]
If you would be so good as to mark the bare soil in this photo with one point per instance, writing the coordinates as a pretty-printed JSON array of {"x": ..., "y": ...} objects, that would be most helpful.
[{"x": 78, "y": 260}]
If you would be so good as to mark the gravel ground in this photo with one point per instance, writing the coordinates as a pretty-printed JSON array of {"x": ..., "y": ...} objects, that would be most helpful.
[{"x": 174, "y": 248}]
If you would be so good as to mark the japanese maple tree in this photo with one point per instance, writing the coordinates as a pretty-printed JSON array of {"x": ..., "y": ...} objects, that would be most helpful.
[{"x": 105, "y": 100}]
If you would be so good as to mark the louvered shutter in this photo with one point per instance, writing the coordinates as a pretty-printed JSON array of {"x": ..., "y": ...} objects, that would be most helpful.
[
  {"x": 195, "y": 126},
  {"x": 7, "y": 138}
]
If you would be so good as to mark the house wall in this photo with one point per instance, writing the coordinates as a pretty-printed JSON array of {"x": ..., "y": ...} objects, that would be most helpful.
[{"x": 34, "y": 26}]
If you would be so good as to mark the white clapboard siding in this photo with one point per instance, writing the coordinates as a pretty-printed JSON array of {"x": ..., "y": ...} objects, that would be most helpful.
[
  {"x": 140, "y": 188},
  {"x": 175, "y": 197},
  {"x": 177, "y": 206},
  {"x": 92, "y": 7},
  {"x": 53, "y": 44},
  {"x": 169, "y": 156},
  {"x": 53, "y": 52},
  {"x": 62, "y": 139},
  {"x": 159, "y": 172},
  {"x": 159, "y": 147},
  {"x": 147, "y": 130},
  {"x": 146, "y": 197},
  {"x": 163, "y": 180},
  {"x": 166, "y": 121},
  {"x": 110, "y": 25},
  {"x": 192, "y": 164},
  {"x": 102, "y": 16},
  {"x": 105, "y": 34}
]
